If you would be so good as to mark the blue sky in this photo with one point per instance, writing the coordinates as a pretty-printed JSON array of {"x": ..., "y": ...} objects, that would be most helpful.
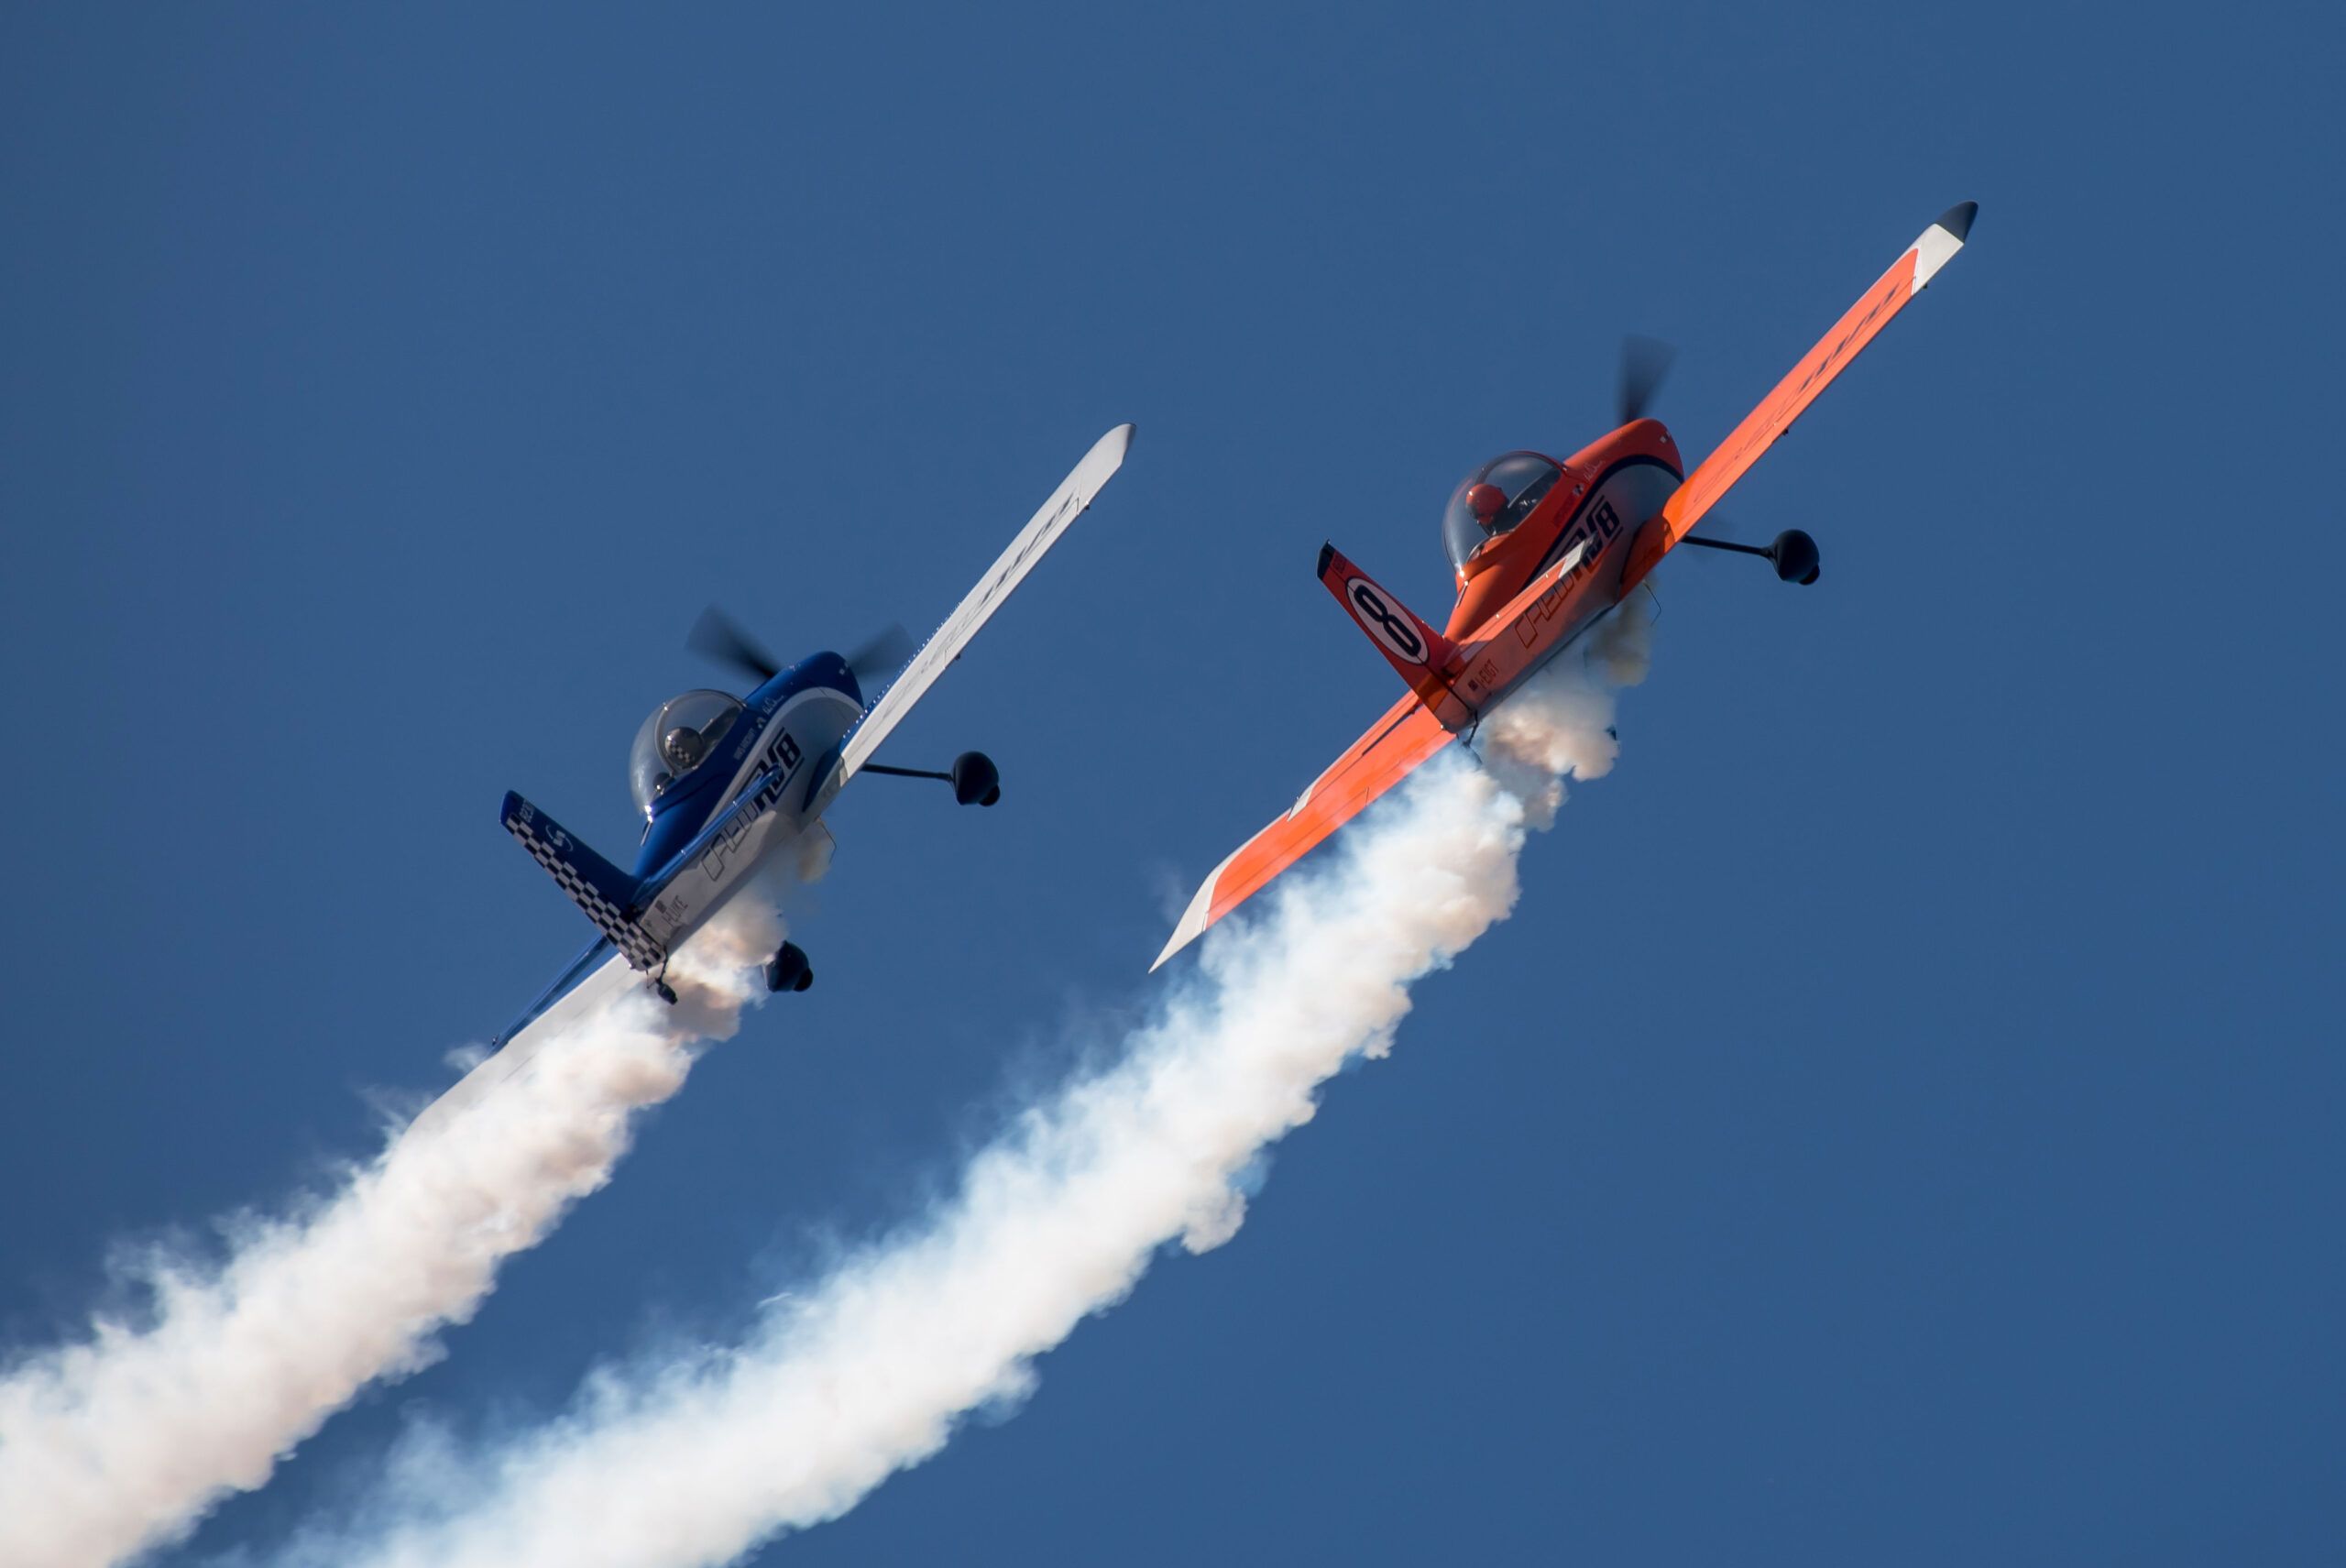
[{"x": 1900, "y": 1119}]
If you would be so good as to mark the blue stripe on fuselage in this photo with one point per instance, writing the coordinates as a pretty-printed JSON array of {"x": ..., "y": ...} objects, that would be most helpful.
[{"x": 684, "y": 808}]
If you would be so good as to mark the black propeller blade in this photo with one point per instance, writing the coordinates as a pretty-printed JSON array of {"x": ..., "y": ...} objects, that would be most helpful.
[
  {"x": 885, "y": 652},
  {"x": 1644, "y": 362},
  {"x": 714, "y": 636}
]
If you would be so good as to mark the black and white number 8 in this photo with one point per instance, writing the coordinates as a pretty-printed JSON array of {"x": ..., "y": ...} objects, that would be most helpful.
[{"x": 1380, "y": 622}]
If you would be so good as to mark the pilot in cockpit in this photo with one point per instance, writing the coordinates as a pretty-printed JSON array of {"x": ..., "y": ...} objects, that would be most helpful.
[
  {"x": 683, "y": 749},
  {"x": 1488, "y": 503},
  {"x": 677, "y": 741}
]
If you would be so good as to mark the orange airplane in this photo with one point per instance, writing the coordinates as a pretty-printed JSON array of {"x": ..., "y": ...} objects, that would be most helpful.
[{"x": 1543, "y": 550}]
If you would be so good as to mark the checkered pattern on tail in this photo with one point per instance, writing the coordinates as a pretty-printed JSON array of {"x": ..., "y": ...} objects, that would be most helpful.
[{"x": 593, "y": 882}]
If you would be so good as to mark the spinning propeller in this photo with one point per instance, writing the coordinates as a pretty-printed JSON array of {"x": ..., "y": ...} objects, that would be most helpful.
[
  {"x": 1645, "y": 361},
  {"x": 716, "y": 637}
]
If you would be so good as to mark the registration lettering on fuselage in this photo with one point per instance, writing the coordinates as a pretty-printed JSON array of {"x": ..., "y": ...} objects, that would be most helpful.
[
  {"x": 1597, "y": 531},
  {"x": 1588, "y": 538},
  {"x": 775, "y": 771}
]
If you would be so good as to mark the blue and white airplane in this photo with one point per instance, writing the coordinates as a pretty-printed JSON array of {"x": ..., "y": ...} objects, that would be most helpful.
[{"x": 724, "y": 782}]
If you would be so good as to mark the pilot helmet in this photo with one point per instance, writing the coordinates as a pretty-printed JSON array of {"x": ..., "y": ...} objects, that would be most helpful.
[
  {"x": 1486, "y": 502},
  {"x": 684, "y": 747}
]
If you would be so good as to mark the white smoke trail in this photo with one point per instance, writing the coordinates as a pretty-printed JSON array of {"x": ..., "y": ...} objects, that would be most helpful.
[
  {"x": 120, "y": 1442},
  {"x": 695, "y": 1461}
]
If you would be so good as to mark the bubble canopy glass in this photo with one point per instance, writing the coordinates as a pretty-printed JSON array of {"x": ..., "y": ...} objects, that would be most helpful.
[
  {"x": 680, "y": 735},
  {"x": 1523, "y": 477}
]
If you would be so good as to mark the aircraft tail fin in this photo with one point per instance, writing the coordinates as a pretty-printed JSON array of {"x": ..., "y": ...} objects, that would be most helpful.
[
  {"x": 1419, "y": 654},
  {"x": 604, "y": 892}
]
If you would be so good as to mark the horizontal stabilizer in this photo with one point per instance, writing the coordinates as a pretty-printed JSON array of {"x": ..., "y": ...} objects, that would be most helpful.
[{"x": 596, "y": 886}]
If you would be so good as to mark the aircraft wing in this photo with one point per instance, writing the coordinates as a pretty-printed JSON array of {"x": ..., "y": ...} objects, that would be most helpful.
[
  {"x": 599, "y": 948},
  {"x": 514, "y": 1051},
  {"x": 1715, "y": 474},
  {"x": 1408, "y": 734},
  {"x": 1042, "y": 530}
]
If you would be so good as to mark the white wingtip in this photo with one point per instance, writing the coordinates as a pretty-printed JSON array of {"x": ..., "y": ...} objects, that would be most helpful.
[
  {"x": 1194, "y": 920},
  {"x": 1941, "y": 241},
  {"x": 1107, "y": 455}
]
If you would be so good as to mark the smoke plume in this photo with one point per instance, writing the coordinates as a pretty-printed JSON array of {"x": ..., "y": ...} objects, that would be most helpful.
[
  {"x": 695, "y": 1459},
  {"x": 122, "y": 1441}
]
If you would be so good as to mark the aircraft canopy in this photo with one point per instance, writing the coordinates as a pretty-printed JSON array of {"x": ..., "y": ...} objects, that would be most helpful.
[
  {"x": 1523, "y": 477},
  {"x": 681, "y": 734}
]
